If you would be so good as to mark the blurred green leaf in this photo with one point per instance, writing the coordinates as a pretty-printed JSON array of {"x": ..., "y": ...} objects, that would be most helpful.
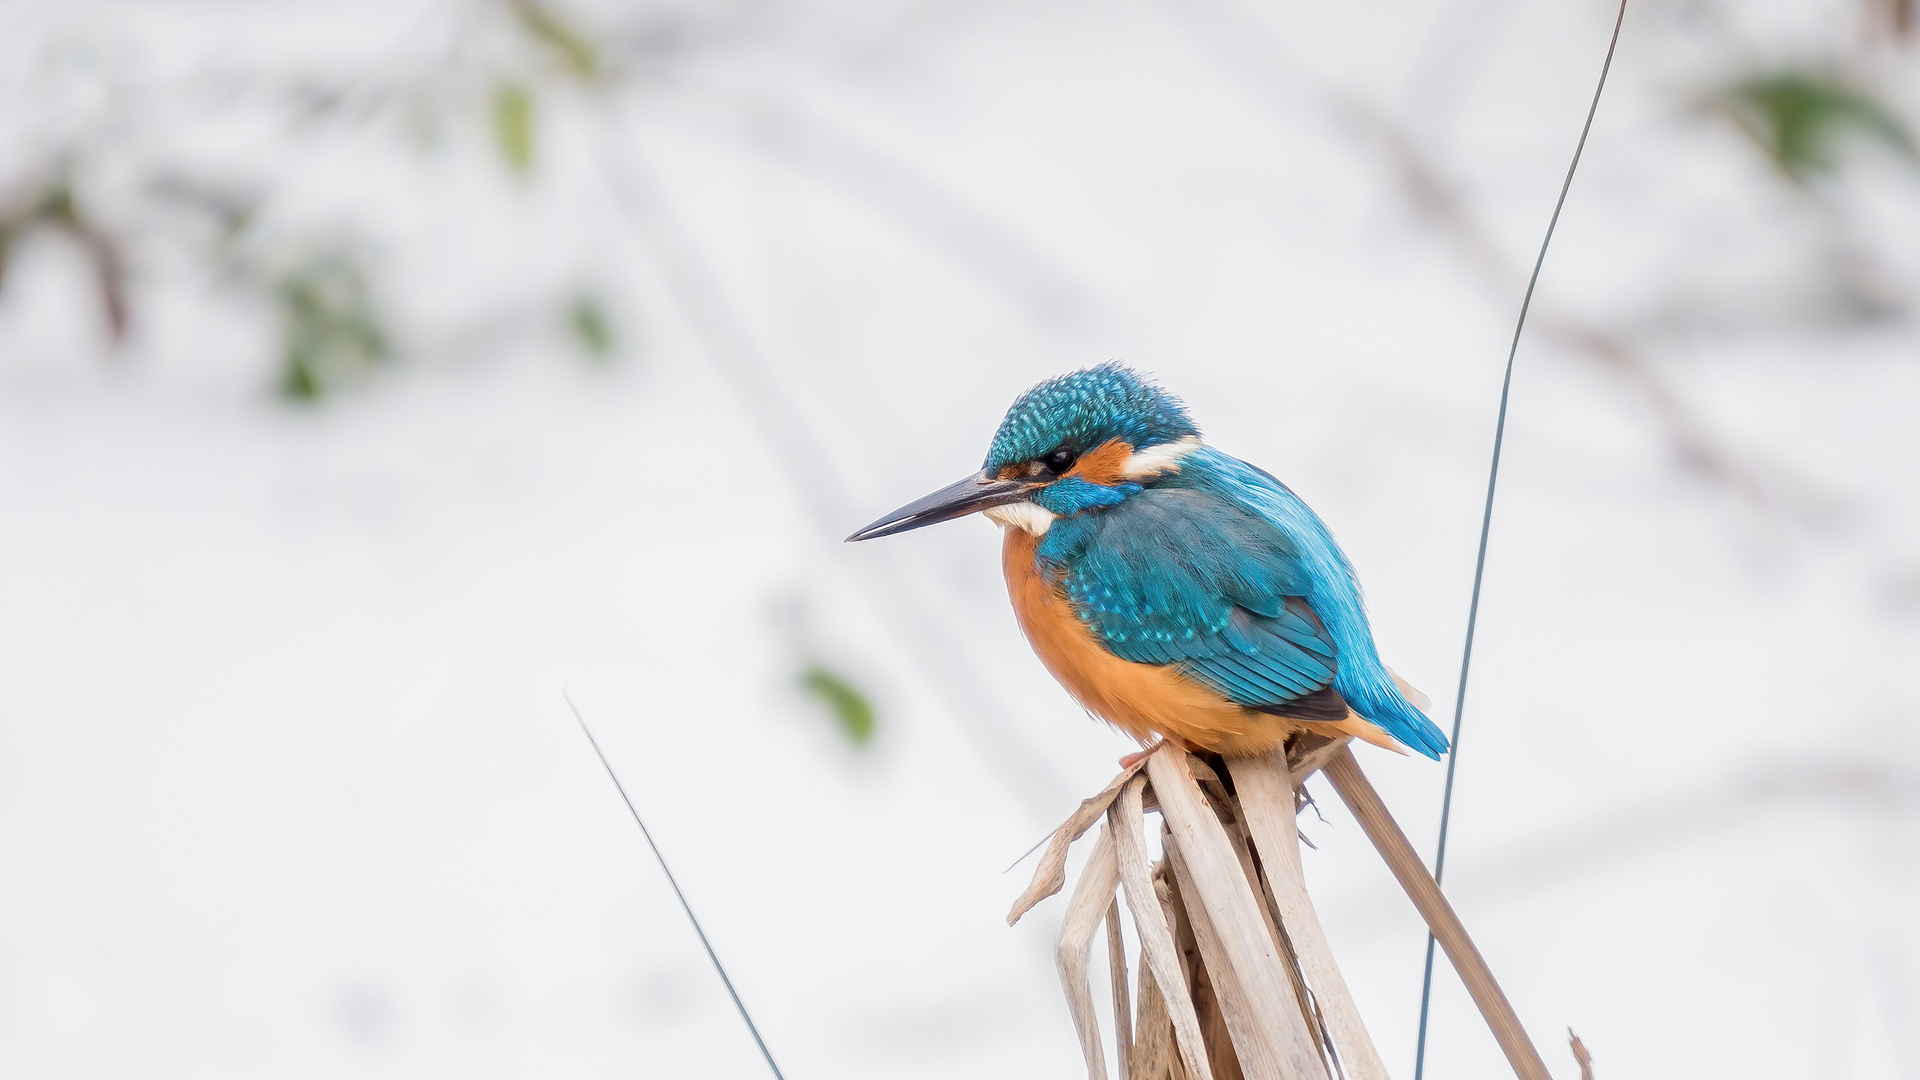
[
  {"x": 849, "y": 706},
  {"x": 574, "y": 49},
  {"x": 587, "y": 318},
  {"x": 298, "y": 382},
  {"x": 513, "y": 125},
  {"x": 332, "y": 335},
  {"x": 1799, "y": 117}
]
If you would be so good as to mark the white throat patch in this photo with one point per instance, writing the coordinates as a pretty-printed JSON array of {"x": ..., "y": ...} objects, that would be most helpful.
[
  {"x": 1032, "y": 517},
  {"x": 1154, "y": 460}
]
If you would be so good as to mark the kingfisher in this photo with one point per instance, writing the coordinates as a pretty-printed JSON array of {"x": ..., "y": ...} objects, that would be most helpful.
[{"x": 1175, "y": 591}]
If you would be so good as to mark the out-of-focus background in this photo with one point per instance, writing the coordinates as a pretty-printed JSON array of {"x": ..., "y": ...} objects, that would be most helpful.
[{"x": 369, "y": 372}]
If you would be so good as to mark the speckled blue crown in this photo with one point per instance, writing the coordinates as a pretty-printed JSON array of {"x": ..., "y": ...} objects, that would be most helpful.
[{"x": 1085, "y": 409}]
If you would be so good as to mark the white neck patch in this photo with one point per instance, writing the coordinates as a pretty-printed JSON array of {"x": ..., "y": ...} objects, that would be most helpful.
[
  {"x": 1032, "y": 517},
  {"x": 1154, "y": 460}
]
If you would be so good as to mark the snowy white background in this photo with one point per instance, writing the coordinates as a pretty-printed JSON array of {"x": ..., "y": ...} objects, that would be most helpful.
[{"x": 287, "y": 787}]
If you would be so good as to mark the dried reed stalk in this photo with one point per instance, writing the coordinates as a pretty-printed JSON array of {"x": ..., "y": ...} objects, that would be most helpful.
[
  {"x": 1358, "y": 793},
  {"x": 1237, "y": 980},
  {"x": 1263, "y": 1014},
  {"x": 1233, "y": 818},
  {"x": 1126, "y": 820},
  {"x": 1206, "y": 999},
  {"x": 1117, "y": 976},
  {"x": 1153, "y": 1056},
  {"x": 1266, "y": 792},
  {"x": 1091, "y": 898},
  {"x": 1051, "y": 874}
]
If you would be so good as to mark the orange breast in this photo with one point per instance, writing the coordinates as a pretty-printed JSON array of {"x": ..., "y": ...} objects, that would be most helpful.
[{"x": 1139, "y": 699}]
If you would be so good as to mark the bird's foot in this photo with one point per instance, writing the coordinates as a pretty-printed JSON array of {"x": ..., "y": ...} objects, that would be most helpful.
[{"x": 1128, "y": 761}]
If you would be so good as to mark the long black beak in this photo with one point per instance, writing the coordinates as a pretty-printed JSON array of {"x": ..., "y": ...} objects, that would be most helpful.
[{"x": 977, "y": 492}]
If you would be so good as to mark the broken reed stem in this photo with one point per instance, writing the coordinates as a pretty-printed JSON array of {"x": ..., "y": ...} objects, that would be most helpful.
[
  {"x": 1117, "y": 976},
  {"x": 1580, "y": 1055},
  {"x": 1126, "y": 821},
  {"x": 1233, "y": 818},
  {"x": 1358, "y": 793},
  {"x": 1206, "y": 996},
  {"x": 1267, "y": 806},
  {"x": 1263, "y": 1015},
  {"x": 1155, "y": 1055},
  {"x": 1091, "y": 898}
]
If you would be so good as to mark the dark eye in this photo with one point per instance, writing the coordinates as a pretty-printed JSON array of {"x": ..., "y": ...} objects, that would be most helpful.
[{"x": 1059, "y": 461}]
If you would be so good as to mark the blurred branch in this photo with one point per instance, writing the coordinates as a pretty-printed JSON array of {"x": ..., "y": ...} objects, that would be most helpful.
[
  {"x": 1259, "y": 63},
  {"x": 109, "y": 276},
  {"x": 1696, "y": 446},
  {"x": 1893, "y": 18},
  {"x": 1650, "y": 827},
  {"x": 52, "y": 205},
  {"x": 921, "y": 205},
  {"x": 230, "y": 212},
  {"x": 1451, "y": 56},
  {"x": 876, "y": 182},
  {"x": 575, "y": 50},
  {"x": 696, "y": 288},
  {"x": 793, "y": 443}
]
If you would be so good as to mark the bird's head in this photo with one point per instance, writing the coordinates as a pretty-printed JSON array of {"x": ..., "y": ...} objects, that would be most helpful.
[{"x": 1069, "y": 446}]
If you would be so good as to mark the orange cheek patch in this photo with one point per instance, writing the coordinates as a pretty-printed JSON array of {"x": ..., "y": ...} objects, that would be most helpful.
[{"x": 1105, "y": 465}]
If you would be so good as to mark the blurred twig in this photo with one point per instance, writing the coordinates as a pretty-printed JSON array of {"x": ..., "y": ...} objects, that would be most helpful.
[
  {"x": 52, "y": 205},
  {"x": 1697, "y": 447},
  {"x": 801, "y": 138},
  {"x": 1261, "y": 64},
  {"x": 1893, "y": 18},
  {"x": 880, "y": 183},
  {"x": 1580, "y": 1055},
  {"x": 801, "y": 453},
  {"x": 1649, "y": 827},
  {"x": 572, "y": 47}
]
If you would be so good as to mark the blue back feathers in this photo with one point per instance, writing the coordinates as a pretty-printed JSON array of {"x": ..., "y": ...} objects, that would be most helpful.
[
  {"x": 1085, "y": 409},
  {"x": 1332, "y": 591}
]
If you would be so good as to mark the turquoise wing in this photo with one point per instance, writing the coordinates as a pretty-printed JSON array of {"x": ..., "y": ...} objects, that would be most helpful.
[{"x": 1181, "y": 577}]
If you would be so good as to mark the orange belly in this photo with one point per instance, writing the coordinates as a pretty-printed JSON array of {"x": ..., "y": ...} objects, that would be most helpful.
[{"x": 1140, "y": 699}]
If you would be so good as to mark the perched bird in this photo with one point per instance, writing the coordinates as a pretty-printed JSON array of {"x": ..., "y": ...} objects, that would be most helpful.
[{"x": 1172, "y": 589}]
